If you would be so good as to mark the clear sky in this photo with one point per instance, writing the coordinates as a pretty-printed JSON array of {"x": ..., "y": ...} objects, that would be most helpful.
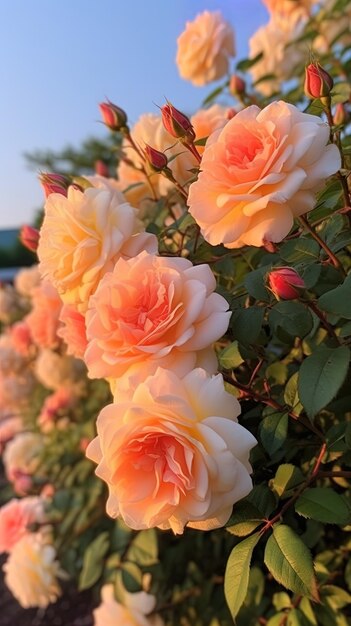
[{"x": 60, "y": 58}]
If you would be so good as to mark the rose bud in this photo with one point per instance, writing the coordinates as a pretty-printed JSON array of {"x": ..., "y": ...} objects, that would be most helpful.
[
  {"x": 113, "y": 116},
  {"x": 318, "y": 83},
  {"x": 54, "y": 183},
  {"x": 341, "y": 115},
  {"x": 29, "y": 237},
  {"x": 237, "y": 85},
  {"x": 285, "y": 283},
  {"x": 101, "y": 169},
  {"x": 156, "y": 159},
  {"x": 177, "y": 124}
]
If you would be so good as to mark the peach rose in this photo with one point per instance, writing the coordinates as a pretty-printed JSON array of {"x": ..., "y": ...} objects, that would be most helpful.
[
  {"x": 16, "y": 389},
  {"x": 82, "y": 237},
  {"x": 206, "y": 121},
  {"x": 22, "y": 454},
  {"x": 133, "y": 613},
  {"x": 279, "y": 60},
  {"x": 154, "y": 311},
  {"x": 11, "y": 305},
  {"x": 9, "y": 427},
  {"x": 204, "y": 48},
  {"x": 31, "y": 571},
  {"x": 15, "y": 518},
  {"x": 149, "y": 129},
  {"x": 43, "y": 320},
  {"x": 289, "y": 9},
  {"x": 72, "y": 331},
  {"x": 333, "y": 28},
  {"x": 54, "y": 407},
  {"x": 27, "y": 279},
  {"x": 59, "y": 370},
  {"x": 258, "y": 173},
  {"x": 172, "y": 453},
  {"x": 21, "y": 338}
]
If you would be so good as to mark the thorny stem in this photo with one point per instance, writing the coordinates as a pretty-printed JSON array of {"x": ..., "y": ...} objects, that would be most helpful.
[
  {"x": 269, "y": 523},
  {"x": 335, "y": 261},
  {"x": 250, "y": 393},
  {"x": 330, "y": 330},
  {"x": 192, "y": 148}
]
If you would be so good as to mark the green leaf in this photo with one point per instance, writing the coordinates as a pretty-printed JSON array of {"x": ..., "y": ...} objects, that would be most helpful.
[
  {"x": 301, "y": 250},
  {"x": 321, "y": 376},
  {"x": 287, "y": 477},
  {"x": 144, "y": 548},
  {"x": 291, "y": 395},
  {"x": 281, "y": 601},
  {"x": 273, "y": 431},
  {"x": 255, "y": 283},
  {"x": 230, "y": 357},
  {"x": 245, "y": 518},
  {"x": 323, "y": 504},
  {"x": 131, "y": 577},
  {"x": 247, "y": 323},
  {"x": 337, "y": 301},
  {"x": 340, "y": 92},
  {"x": 93, "y": 561},
  {"x": 236, "y": 579},
  {"x": 290, "y": 562},
  {"x": 211, "y": 96},
  {"x": 293, "y": 317},
  {"x": 277, "y": 372},
  {"x": 245, "y": 64}
]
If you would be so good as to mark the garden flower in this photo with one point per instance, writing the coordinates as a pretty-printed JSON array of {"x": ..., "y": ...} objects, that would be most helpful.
[
  {"x": 43, "y": 320},
  {"x": 27, "y": 279},
  {"x": 172, "y": 453},
  {"x": 285, "y": 283},
  {"x": 133, "y": 613},
  {"x": 31, "y": 571},
  {"x": 154, "y": 311},
  {"x": 55, "y": 370},
  {"x": 82, "y": 237},
  {"x": 15, "y": 518},
  {"x": 204, "y": 48},
  {"x": 72, "y": 331},
  {"x": 259, "y": 172},
  {"x": 22, "y": 455},
  {"x": 206, "y": 121}
]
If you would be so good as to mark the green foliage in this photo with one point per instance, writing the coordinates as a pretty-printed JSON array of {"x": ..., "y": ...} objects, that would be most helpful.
[{"x": 236, "y": 578}]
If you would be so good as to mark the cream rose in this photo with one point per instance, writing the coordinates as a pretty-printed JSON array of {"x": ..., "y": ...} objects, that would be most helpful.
[
  {"x": 258, "y": 173},
  {"x": 204, "y": 48},
  {"x": 132, "y": 613},
  {"x": 173, "y": 454},
  {"x": 279, "y": 59},
  {"x": 31, "y": 571},
  {"x": 206, "y": 121},
  {"x": 15, "y": 518},
  {"x": 154, "y": 311},
  {"x": 22, "y": 454},
  {"x": 81, "y": 238}
]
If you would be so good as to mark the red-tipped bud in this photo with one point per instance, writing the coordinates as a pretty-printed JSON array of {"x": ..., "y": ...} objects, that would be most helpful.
[
  {"x": 29, "y": 237},
  {"x": 237, "y": 85},
  {"x": 285, "y": 283},
  {"x": 101, "y": 168},
  {"x": 341, "y": 115},
  {"x": 113, "y": 116},
  {"x": 318, "y": 83},
  {"x": 54, "y": 183},
  {"x": 156, "y": 159},
  {"x": 177, "y": 124}
]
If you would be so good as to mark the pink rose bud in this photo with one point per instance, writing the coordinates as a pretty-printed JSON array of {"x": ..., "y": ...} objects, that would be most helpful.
[
  {"x": 113, "y": 116},
  {"x": 54, "y": 183},
  {"x": 101, "y": 169},
  {"x": 285, "y": 283},
  {"x": 237, "y": 85},
  {"x": 177, "y": 124},
  {"x": 318, "y": 83},
  {"x": 29, "y": 237},
  {"x": 156, "y": 159},
  {"x": 341, "y": 115}
]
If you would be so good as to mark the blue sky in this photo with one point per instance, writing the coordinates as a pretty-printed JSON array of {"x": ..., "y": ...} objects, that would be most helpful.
[{"x": 59, "y": 59}]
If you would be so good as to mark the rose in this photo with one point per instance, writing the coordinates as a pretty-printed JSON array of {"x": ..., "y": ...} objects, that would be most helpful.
[
  {"x": 22, "y": 454},
  {"x": 31, "y": 571},
  {"x": 55, "y": 370},
  {"x": 206, "y": 121},
  {"x": 56, "y": 405},
  {"x": 204, "y": 48},
  {"x": 172, "y": 453},
  {"x": 27, "y": 279},
  {"x": 154, "y": 311},
  {"x": 278, "y": 58},
  {"x": 15, "y": 518},
  {"x": 133, "y": 613},
  {"x": 43, "y": 320},
  {"x": 259, "y": 172},
  {"x": 9, "y": 427},
  {"x": 289, "y": 9},
  {"x": 72, "y": 331},
  {"x": 82, "y": 237}
]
